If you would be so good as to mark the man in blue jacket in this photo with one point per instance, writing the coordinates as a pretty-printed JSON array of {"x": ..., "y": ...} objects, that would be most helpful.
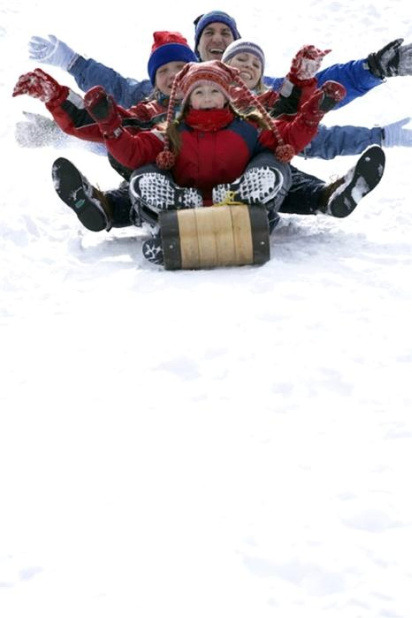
[{"x": 214, "y": 31}]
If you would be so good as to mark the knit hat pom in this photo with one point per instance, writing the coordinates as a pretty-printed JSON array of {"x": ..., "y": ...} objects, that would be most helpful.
[
  {"x": 168, "y": 47},
  {"x": 285, "y": 153},
  {"x": 165, "y": 160}
]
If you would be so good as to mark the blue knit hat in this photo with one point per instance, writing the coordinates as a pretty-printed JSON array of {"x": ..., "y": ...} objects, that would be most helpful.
[
  {"x": 214, "y": 16},
  {"x": 168, "y": 47}
]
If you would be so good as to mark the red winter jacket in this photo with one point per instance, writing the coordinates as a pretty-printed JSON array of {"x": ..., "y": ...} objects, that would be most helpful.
[{"x": 216, "y": 146}]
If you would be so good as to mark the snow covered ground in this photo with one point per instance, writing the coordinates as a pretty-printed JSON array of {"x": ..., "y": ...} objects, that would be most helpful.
[{"x": 231, "y": 442}]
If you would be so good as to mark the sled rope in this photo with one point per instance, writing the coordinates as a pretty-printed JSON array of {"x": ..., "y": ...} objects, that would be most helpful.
[{"x": 229, "y": 200}]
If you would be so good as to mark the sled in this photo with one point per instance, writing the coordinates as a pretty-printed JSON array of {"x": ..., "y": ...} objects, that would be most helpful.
[{"x": 197, "y": 238}]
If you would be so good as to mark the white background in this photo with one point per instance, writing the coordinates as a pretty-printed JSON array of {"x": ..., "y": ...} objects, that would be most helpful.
[{"x": 231, "y": 442}]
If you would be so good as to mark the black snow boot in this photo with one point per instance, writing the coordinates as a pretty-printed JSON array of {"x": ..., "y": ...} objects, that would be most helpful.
[
  {"x": 90, "y": 205},
  {"x": 340, "y": 198}
]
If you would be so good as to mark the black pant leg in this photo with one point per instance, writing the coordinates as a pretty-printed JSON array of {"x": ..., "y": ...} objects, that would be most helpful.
[
  {"x": 303, "y": 195},
  {"x": 121, "y": 205}
]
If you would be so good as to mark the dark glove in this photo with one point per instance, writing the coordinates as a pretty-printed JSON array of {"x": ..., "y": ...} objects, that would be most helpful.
[
  {"x": 393, "y": 59},
  {"x": 102, "y": 109},
  {"x": 40, "y": 85},
  {"x": 333, "y": 93},
  {"x": 288, "y": 100},
  {"x": 306, "y": 63},
  {"x": 322, "y": 101}
]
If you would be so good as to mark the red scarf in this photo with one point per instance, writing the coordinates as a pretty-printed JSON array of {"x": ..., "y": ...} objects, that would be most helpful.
[{"x": 209, "y": 119}]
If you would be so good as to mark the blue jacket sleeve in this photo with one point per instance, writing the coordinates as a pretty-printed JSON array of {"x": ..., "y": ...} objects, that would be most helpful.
[
  {"x": 125, "y": 91},
  {"x": 331, "y": 142},
  {"x": 354, "y": 75}
]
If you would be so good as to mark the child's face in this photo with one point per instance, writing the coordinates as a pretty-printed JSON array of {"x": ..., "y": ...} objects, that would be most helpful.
[
  {"x": 250, "y": 68},
  {"x": 166, "y": 74},
  {"x": 207, "y": 96}
]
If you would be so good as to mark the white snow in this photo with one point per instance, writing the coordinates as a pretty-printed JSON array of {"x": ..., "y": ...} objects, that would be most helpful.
[{"x": 228, "y": 442}]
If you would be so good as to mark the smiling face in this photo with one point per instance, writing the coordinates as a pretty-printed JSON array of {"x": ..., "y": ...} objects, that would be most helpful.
[
  {"x": 207, "y": 95},
  {"x": 250, "y": 68},
  {"x": 166, "y": 74},
  {"x": 213, "y": 41}
]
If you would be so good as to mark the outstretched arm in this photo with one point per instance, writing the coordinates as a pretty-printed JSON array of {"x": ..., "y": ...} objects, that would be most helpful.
[
  {"x": 65, "y": 105},
  {"x": 88, "y": 72},
  {"x": 300, "y": 83},
  {"x": 131, "y": 151},
  {"x": 293, "y": 135},
  {"x": 302, "y": 130},
  {"x": 331, "y": 142},
  {"x": 361, "y": 76}
]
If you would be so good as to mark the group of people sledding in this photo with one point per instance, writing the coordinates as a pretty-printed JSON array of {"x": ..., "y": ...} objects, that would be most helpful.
[{"x": 209, "y": 128}]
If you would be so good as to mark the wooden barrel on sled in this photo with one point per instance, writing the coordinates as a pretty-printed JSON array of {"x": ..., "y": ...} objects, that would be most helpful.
[{"x": 214, "y": 236}]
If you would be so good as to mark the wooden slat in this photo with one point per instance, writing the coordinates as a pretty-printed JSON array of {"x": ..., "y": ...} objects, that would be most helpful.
[
  {"x": 189, "y": 242},
  {"x": 242, "y": 233}
]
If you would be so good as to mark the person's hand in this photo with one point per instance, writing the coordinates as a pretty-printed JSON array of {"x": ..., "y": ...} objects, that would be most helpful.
[
  {"x": 51, "y": 51},
  {"x": 306, "y": 63},
  {"x": 393, "y": 59},
  {"x": 395, "y": 134},
  {"x": 102, "y": 109},
  {"x": 333, "y": 93},
  {"x": 40, "y": 85},
  {"x": 323, "y": 100}
]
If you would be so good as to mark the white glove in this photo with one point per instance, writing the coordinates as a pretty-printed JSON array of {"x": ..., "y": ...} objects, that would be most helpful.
[
  {"x": 52, "y": 51},
  {"x": 395, "y": 135}
]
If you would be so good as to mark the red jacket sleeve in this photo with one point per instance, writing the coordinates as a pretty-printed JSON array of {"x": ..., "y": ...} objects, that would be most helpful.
[
  {"x": 133, "y": 151},
  {"x": 71, "y": 116},
  {"x": 297, "y": 132}
]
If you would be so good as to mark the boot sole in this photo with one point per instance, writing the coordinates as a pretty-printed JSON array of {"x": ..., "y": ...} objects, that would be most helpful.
[
  {"x": 70, "y": 187},
  {"x": 255, "y": 186},
  {"x": 158, "y": 193},
  {"x": 367, "y": 174}
]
